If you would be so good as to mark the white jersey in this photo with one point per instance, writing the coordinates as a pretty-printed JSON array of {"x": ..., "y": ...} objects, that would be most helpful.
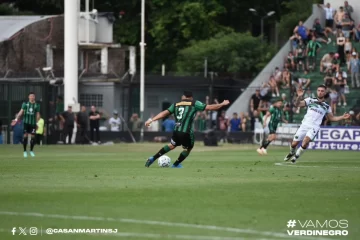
[
  {"x": 115, "y": 124},
  {"x": 316, "y": 111}
]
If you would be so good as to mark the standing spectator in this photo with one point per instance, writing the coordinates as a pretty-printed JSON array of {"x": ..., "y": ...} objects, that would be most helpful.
[
  {"x": 83, "y": 123},
  {"x": 223, "y": 126},
  {"x": 348, "y": 9},
  {"x": 290, "y": 62},
  {"x": 235, "y": 123},
  {"x": 255, "y": 118},
  {"x": 40, "y": 131},
  {"x": 286, "y": 77},
  {"x": 340, "y": 41},
  {"x": 274, "y": 86},
  {"x": 311, "y": 51},
  {"x": 154, "y": 127},
  {"x": 18, "y": 132},
  {"x": 94, "y": 117},
  {"x": 115, "y": 122},
  {"x": 68, "y": 120},
  {"x": 255, "y": 101},
  {"x": 329, "y": 15},
  {"x": 348, "y": 47},
  {"x": 136, "y": 123},
  {"x": 169, "y": 124},
  {"x": 333, "y": 100},
  {"x": 302, "y": 31},
  {"x": 340, "y": 84},
  {"x": 354, "y": 69}
]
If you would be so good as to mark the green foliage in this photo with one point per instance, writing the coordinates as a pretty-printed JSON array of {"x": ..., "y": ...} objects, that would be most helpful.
[
  {"x": 297, "y": 10},
  {"x": 234, "y": 52}
]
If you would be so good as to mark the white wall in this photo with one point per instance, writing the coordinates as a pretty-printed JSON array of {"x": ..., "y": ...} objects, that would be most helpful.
[
  {"x": 104, "y": 30},
  {"x": 241, "y": 104},
  {"x": 82, "y": 30},
  {"x": 354, "y": 3}
]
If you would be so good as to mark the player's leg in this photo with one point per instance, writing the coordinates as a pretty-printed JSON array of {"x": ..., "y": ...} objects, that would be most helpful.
[
  {"x": 299, "y": 135},
  {"x": 265, "y": 143},
  {"x": 310, "y": 136},
  {"x": 32, "y": 140},
  {"x": 25, "y": 139},
  {"x": 167, "y": 148},
  {"x": 188, "y": 144}
]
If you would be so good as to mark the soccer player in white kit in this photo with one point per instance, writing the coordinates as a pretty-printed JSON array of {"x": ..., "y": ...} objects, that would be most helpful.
[{"x": 317, "y": 108}]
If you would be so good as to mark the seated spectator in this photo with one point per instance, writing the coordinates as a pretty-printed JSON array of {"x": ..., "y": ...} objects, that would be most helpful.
[
  {"x": 348, "y": 47},
  {"x": 326, "y": 61},
  {"x": 290, "y": 61},
  {"x": 300, "y": 55},
  {"x": 295, "y": 40},
  {"x": 235, "y": 123},
  {"x": 277, "y": 75},
  {"x": 357, "y": 33},
  {"x": 342, "y": 73},
  {"x": 309, "y": 94},
  {"x": 264, "y": 107},
  {"x": 335, "y": 63},
  {"x": 274, "y": 87},
  {"x": 354, "y": 69},
  {"x": 286, "y": 77},
  {"x": 245, "y": 121},
  {"x": 329, "y": 79},
  {"x": 320, "y": 32},
  {"x": 334, "y": 96},
  {"x": 255, "y": 101},
  {"x": 340, "y": 84},
  {"x": 304, "y": 81}
]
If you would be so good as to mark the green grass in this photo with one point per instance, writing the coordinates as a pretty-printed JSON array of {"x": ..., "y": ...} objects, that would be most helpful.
[{"x": 228, "y": 186}]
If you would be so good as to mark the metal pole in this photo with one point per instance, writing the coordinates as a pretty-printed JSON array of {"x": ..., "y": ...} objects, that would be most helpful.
[
  {"x": 142, "y": 68},
  {"x": 87, "y": 19},
  {"x": 8, "y": 130}
]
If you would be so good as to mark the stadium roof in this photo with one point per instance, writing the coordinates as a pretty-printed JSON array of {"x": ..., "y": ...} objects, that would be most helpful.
[{"x": 10, "y": 25}]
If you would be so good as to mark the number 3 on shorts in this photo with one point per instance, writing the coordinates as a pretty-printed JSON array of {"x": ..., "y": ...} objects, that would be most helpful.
[{"x": 180, "y": 114}]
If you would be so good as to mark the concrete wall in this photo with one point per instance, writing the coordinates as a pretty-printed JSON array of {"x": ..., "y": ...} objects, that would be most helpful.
[{"x": 241, "y": 104}]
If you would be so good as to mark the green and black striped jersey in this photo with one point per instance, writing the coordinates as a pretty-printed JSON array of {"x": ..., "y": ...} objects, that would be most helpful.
[
  {"x": 184, "y": 113},
  {"x": 30, "y": 112},
  {"x": 276, "y": 115}
]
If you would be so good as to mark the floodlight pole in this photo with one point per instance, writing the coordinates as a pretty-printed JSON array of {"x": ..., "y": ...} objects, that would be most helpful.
[{"x": 142, "y": 69}]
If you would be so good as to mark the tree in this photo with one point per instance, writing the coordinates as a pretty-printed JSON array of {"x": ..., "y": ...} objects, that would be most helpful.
[{"x": 234, "y": 53}]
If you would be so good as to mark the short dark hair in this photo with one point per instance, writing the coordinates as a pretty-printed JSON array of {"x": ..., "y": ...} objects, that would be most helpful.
[
  {"x": 322, "y": 86},
  {"x": 188, "y": 94},
  {"x": 31, "y": 93}
]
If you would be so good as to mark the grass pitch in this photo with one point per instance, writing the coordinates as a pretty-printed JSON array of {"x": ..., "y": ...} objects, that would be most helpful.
[{"x": 227, "y": 192}]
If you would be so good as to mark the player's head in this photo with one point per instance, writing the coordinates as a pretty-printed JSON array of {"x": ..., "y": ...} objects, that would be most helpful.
[
  {"x": 83, "y": 108},
  {"x": 321, "y": 91},
  {"x": 187, "y": 95},
  {"x": 31, "y": 97},
  {"x": 278, "y": 103}
]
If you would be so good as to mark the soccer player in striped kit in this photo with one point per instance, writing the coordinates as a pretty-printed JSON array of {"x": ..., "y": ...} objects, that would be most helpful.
[
  {"x": 31, "y": 112},
  {"x": 183, "y": 135}
]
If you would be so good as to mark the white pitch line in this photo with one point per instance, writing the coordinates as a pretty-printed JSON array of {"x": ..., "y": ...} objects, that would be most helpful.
[
  {"x": 301, "y": 166},
  {"x": 150, "y": 222}
]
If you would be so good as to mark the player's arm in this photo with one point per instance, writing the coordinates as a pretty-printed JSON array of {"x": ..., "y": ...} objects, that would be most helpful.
[
  {"x": 20, "y": 113},
  {"x": 161, "y": 115},
  {"x": 214, "y": 107},
  {"x": 298, "y": 102},
  {"x": 333, "y": 118},
  {"x": 37, "y": 116}
]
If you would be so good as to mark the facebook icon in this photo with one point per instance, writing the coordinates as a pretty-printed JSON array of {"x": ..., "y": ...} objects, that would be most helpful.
[{"x": 13, "y": 230}]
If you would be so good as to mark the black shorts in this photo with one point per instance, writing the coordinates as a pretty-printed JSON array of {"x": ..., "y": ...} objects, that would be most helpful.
[
  {"x": 272, "y": 127},
  {"x": 329, "y": 23},
  {"x": 29, "y": 129},
  {"x": 182, "y": 139}
]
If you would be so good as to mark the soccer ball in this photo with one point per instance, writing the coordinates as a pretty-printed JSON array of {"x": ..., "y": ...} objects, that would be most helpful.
[{"x": 164, "y": 161}]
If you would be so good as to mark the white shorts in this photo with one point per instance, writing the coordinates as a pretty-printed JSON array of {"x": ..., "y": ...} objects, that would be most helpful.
[{"x": 306, "y": 131}]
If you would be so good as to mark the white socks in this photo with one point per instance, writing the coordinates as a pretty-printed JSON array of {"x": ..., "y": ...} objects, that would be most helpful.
[{"x": 299, "y": 151}]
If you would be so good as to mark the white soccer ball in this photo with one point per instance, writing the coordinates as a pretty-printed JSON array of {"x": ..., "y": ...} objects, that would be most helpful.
[{"x": 164, "y": 161}]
